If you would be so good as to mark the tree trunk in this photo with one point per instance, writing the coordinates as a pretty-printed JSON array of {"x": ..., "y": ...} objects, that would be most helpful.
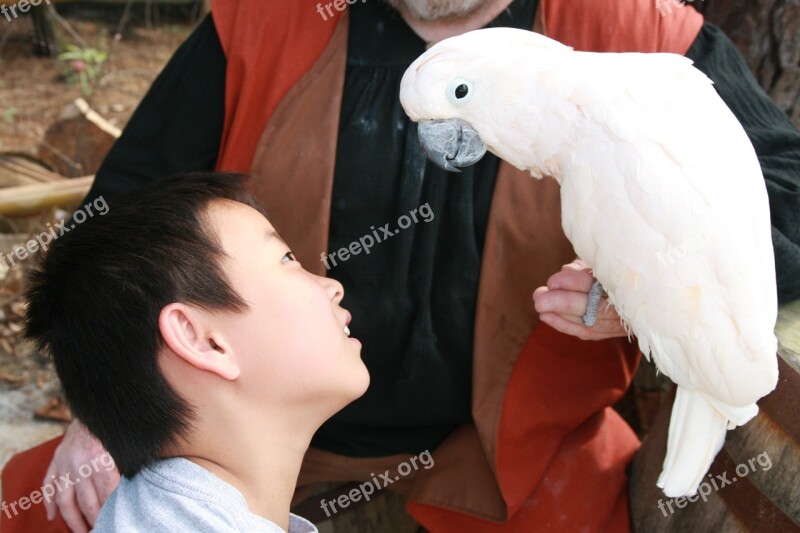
[{"x": 767, "y": 33}]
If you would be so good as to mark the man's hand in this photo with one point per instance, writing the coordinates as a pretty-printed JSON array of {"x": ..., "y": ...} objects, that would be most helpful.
[
  {"x": 79, "y": 503},
  {"x": 562, "y": 303}
]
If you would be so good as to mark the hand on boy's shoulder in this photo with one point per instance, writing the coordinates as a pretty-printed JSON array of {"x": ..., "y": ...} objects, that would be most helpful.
[
  {"x": 171, "y": 492},
  {"x": 81, "y": 497}
]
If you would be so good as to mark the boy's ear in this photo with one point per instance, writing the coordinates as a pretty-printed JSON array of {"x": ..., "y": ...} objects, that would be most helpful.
[{"x": 185, "y": 331}]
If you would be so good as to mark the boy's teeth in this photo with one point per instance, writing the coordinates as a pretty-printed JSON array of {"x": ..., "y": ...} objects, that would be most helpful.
[{"x": 347, "y": 331}]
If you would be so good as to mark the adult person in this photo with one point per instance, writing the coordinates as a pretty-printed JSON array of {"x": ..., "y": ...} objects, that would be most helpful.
[{"x": 516, "y": 413}]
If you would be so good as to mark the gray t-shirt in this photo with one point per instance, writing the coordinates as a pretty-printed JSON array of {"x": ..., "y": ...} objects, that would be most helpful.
[{"x": 178, "y": 495}]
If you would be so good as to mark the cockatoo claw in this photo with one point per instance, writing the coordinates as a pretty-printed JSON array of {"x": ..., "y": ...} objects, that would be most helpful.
[
  {"x": 595, "y": 293},
  {"x": 451, "y": 144}
]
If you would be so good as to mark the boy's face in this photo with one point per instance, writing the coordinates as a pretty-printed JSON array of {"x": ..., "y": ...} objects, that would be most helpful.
[{"x": 291, "y": 344}]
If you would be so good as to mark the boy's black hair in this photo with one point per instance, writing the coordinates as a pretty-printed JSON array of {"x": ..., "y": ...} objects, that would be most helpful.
[{"x": 95, "y": 299}]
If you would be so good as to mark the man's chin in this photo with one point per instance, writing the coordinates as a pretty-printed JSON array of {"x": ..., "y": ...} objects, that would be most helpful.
[{"x": 436, "y": 10}]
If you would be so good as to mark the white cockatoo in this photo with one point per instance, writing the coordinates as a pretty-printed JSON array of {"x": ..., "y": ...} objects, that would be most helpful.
[{"x": 661, "y": 195}]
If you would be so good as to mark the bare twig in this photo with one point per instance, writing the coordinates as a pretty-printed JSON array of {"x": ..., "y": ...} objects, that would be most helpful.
[{"x": 67, "y": 26}]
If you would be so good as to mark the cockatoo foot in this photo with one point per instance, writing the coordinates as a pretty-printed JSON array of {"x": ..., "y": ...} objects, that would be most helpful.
[{"x": 590, "y": 316}]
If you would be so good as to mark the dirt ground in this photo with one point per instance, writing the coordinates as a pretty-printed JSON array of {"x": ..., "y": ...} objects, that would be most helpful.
[{"x": 33, "y": 91}]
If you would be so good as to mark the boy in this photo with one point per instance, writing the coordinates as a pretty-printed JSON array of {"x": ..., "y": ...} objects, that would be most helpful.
[{"x": 196, "y": 348}]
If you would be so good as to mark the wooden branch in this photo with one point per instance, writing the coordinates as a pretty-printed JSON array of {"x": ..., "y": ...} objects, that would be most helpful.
[
  {"x": 18, "y": 169},
  {"x": 27, "y": 199},
  {"x": 76, "y": 144},
  {"x": 95, "y": 118}
]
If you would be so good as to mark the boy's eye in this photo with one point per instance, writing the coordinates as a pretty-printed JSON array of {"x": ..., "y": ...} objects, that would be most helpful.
[{"x": 288, "y": 257}]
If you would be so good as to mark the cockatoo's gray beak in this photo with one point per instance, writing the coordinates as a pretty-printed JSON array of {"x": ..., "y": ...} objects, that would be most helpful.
[{"x": 451, "y": 144}]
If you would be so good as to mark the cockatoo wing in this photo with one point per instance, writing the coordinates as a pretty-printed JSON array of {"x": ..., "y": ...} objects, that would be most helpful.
[{"x": 668, "y": 204}]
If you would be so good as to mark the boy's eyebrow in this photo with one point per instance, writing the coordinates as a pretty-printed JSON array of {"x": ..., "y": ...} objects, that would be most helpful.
[{"x": 270, "y": 234}]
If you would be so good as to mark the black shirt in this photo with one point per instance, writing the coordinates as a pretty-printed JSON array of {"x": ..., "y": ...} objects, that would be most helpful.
[{"x": 413, "y": 296}]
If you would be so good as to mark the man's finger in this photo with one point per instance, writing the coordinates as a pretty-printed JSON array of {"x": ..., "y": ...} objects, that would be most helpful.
[
  {"x": 606, "y": 325},
  {"x": 105, "y": 483},
  {"x": 571, "y": 280},
  {"x": 577, "y": 264},
  {"x": 573, "y": 303},
  {"x": 88, "y": 501},
  {"x": 576, "y": 330},
  {"x": 68, "y": 507},
  {"x": 50, "y": 503}
]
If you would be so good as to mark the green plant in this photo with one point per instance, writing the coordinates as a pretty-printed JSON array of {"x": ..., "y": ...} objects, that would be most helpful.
[
  {"x": 82, "y": 65},
  {"x": 9, "y": 113}
]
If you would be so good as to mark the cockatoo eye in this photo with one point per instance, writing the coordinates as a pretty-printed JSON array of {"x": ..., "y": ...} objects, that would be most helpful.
[{"x": 459, "y": 92}]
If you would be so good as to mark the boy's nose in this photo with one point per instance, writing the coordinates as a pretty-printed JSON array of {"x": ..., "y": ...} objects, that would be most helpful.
[{"x": 333, "y": 287}]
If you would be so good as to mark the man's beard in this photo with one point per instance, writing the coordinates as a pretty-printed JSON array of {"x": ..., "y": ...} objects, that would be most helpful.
[{"x": 435, "y": 10}]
